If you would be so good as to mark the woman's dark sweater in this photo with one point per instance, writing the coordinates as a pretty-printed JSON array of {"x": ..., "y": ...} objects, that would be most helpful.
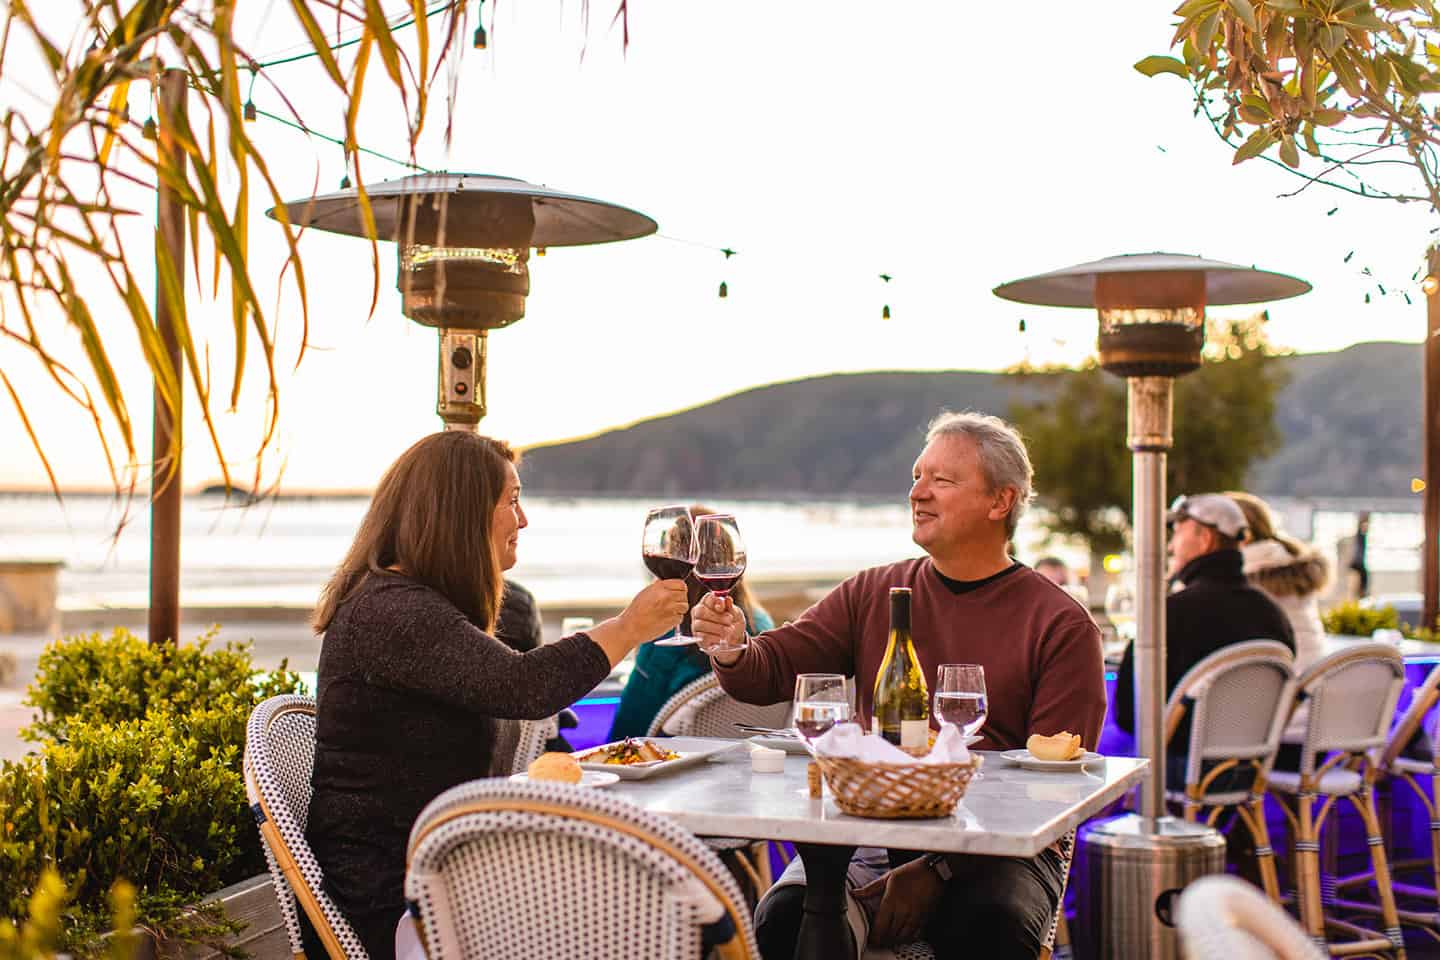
[{"x": 410, "y": 692}]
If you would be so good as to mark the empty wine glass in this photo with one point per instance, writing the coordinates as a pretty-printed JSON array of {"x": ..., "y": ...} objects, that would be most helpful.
[
  {"x": 719, "y": 552},
  {"x": 960, "y": 696},
  {"x": 821, "y": 701},
  {"x": 1120, "y": 608},
  {"x": 668, "y": 548}
]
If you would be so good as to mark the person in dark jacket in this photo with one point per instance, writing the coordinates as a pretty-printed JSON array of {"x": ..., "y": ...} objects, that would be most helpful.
[{"x": 1215, "y": 607}]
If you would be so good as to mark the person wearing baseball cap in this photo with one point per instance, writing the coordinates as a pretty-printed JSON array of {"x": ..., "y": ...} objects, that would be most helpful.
[{"x": 1214, "y": 607}]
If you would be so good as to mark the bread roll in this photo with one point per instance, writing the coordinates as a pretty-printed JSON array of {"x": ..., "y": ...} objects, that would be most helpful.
[
  {"x": 555, "y": 766},
  {"x": 1062, "y": 746}
]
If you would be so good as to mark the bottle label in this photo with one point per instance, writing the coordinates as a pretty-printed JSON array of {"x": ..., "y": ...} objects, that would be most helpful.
[{"x": 915, "y": 733}]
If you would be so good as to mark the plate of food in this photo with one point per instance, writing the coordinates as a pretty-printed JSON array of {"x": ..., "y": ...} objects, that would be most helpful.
[
  {"x": 636, "y": 758},
  {"x": 1063, "y": 751}
]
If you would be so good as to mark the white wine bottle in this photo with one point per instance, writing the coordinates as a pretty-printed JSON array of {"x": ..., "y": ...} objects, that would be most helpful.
[{"x": 900, "y": 710}]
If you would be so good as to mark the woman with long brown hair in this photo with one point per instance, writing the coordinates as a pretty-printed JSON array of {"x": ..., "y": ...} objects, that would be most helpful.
[{"x": 415, "y": 693}]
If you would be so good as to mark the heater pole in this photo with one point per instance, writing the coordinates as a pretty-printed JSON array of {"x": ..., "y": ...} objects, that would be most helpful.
[{"x": 1150, "y": 419}]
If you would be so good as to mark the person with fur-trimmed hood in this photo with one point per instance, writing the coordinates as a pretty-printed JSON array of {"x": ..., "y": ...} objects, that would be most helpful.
[{"x": 1294, "y": 574}]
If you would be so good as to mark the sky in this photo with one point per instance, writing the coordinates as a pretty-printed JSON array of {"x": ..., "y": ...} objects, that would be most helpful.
[{"x": 827, "y": 143}]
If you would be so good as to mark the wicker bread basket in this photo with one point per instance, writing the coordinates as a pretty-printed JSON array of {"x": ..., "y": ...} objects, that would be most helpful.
[{"x": 896, "y": 791}]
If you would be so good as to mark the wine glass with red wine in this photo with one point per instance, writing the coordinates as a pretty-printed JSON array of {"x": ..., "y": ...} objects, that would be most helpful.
[
  {"x": 821, "y": 701},
  {"x": 719, "y": 553},
  {"x": 668, "y": 549}
]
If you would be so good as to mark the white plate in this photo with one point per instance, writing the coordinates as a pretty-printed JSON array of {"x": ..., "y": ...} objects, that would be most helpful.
[
  {"x": 588, "y": 778},
  {"x": 692, "y": 750},
  {"x": 1024, "y": 758},
  {"x": 675, "y": 641}
]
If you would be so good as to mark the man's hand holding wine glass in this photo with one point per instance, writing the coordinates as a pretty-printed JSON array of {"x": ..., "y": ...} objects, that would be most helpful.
[{"x": 720, "y": 627}]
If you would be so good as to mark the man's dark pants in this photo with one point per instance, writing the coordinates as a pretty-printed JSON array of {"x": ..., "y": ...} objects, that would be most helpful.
[{"x": 994, "y": 907}]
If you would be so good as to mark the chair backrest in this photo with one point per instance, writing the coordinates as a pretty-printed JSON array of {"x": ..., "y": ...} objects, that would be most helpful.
[
  {"x": 1352, "y": 696},
  {"x": 1424, "y": 698},
  {"x": 533, "y": 736},
  {"x": 491, "y": 864},
  {"x": 703, "y": 709},
  {"x": 1224, "y": 918},
  {"x": 279, "y": 758},
  {"x": 1241, "y": 698}
]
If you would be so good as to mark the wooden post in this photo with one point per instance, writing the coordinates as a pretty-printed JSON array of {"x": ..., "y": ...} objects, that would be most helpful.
[
  {"x": 165, "y": 474},
  {"x": 1430, "y": 427}
]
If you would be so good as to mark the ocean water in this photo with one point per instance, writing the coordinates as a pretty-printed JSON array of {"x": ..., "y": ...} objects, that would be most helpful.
[{"x": 575, "y": 549}]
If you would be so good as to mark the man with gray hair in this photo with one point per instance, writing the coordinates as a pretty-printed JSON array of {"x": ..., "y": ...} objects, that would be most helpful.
[{"x": 971, "y": 603}]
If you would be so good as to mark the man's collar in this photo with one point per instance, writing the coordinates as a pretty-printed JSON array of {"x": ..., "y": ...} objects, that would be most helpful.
[{"x": 1216, "y": 565}]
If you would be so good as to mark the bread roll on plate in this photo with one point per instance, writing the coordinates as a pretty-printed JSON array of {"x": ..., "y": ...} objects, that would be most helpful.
[
  {"x": 560, "y": 767},
  {"x": 1062, "y": 746}
]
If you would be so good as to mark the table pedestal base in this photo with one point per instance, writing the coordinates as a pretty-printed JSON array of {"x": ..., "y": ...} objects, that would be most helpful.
[{"x": 824, "y": 931}]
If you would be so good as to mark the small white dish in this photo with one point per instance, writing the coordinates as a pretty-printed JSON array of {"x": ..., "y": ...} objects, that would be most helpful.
[
  {"x": 789, "y": 744},
  {"x": 675, "y": 641},
  {"x": 588, "y": 778},
  {"x": 1025, "y": 759}
]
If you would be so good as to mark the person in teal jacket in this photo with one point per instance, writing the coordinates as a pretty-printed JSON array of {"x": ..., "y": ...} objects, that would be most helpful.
[{"x": 662, "y": 672}]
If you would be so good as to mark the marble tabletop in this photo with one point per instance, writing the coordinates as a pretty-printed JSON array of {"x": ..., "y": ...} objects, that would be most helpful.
[{"x": 1007, "y": 812}]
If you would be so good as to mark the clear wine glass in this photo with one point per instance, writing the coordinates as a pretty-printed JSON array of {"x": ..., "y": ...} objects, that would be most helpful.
[
  {"x": 1120, "y": 608},
  {"x": 821, "y": 701},
  {"x": 960, "y": 696},
  {"x": 719, "y": 552},
  {"x": 668, "y": 548}
]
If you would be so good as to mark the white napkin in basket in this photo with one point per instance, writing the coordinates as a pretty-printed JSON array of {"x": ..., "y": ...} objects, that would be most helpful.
[{"x": 851, "y": 740}]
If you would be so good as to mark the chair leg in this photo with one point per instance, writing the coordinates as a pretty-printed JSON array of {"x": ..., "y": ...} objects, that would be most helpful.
[
  {"x": 1365, "y": 805},
  {"x": 1307, "y": 871},
  {"x": 1435, "y": 836},
  {"x": 1253, "y": 815}
]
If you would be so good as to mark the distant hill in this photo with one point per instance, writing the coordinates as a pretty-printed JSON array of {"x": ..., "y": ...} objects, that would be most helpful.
[{"x": 1351, "y": 422}]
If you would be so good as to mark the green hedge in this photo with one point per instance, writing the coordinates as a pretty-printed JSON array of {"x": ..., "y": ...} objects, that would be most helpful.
[{"x": 136, "y": 777}]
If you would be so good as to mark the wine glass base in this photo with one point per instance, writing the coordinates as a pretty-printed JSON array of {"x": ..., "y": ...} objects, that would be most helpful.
[{"x": 676, "y": 641}]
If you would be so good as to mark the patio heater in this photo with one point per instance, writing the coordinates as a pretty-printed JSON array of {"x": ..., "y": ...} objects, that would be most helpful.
[
  {"x": 1152, "y": 327},
  {"x": 464, "y": 243}
]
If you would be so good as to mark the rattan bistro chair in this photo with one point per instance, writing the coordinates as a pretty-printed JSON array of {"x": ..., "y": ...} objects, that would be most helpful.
[
  {"x": 702, "y": 709},
  {"x": 279, "y": 757},
  {"x": 1239, "y": 699},
  {"x": 534, "y": 734},
  {"x": 499, "y": 870},
  {"x": 1352, "y": 696},
  {"x": 1399, "y": 767},
  {"x": 1224, "y": 918}
]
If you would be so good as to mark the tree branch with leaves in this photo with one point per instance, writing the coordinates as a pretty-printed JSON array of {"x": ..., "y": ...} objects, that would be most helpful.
[
  {"x": 1342, "y": 90},
  {"x": 69, "y": 166}
]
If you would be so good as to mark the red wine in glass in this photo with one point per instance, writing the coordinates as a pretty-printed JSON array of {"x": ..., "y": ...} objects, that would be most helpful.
[
  {"x": 668, "y": 568},
  {"x": 721, "y": 585},
  {"x": 719, "y": 552},
  {"x": 668, "y": 548}
]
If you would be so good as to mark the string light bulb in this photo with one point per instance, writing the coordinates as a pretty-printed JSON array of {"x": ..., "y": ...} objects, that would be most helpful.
[
  {"x": 1022, "y": 324},
  {"x": 539, "y": 251},
  {"x": 250, "y": 111},
  {"x": 1417, "y": 485},
  {"x": 345, "y": 182},
  {"x": 480, "y": 39},
  {"x": 148, "y": 131},
  {"x": 1430, "y": 284},
  {"x": 885, "y": 312},
  {"x": 724, "y": 290}
]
